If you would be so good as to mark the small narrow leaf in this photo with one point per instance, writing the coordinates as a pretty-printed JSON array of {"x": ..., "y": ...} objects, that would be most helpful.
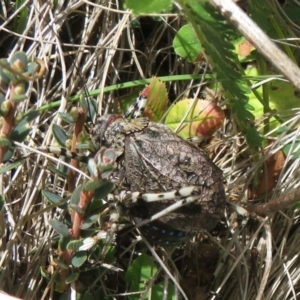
[
  {"x": 11, "y": 166},
  {"x": 60, "y": 135},
  {"x": 89, "y": 221},
  {"x": 76, "y": 196},
  {"x": 51, "y": 197},
  {"x": 2, "y": 201},
  {"x": 54, "y": 199},
  {"x": 60, "y": 227},
  {"x": 66, "y": 117}
]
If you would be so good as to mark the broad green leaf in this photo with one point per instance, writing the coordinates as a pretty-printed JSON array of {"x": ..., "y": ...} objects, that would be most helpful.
[
  {"x": 79, "y": 258},
  {"x": 74, "y": 245},
  {"x": 73, "y": 277},
  {"x": 148, "y": 6},
  {"x": 60, "y": 135},
  {"x": 142, "y": 269},
  {"x": 104, "y": 190},
  {"x": 294, "y": 149},
  {"x": 282, "y": 98},
  {"x": 186, "y": 44},
  {"x": 203, "y": 120},
  {"x": 158, "y": 291},
  {"x": 60, "y": 227},
  {"x": 94, "y": 206}
]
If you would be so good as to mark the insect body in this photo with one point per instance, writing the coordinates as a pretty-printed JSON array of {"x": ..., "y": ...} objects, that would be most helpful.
[{"x": 155, "y": 161}]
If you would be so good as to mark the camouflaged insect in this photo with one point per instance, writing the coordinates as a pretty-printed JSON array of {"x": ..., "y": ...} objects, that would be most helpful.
[{"x": 153, "y": 159}]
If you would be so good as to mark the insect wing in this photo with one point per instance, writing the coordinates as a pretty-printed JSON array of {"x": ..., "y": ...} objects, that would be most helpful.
[{"x": 157, "y": 161}]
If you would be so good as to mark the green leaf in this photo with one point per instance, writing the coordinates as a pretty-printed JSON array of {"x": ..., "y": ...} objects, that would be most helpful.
[
  {"x": 253, "y": 137},
  {"x": 51, "y": 197},
  {"x": 55, "y": 199},
  {"x": 142, "y": 269},
  {"x": 11, "y": 166},
  {"x": 5, "y": 75},
  {"x": 186, "y": 44},
  {"x": 60, "y": 227},
  {"x": 32, "y": 68},
  {"x": 203, "y": 120},
  {"x": 18, "y": 98},
  {"x": 158, "y": 291},
  {"x": 66, "y": 117},
  {"x": 74, "y": 245},
  {"x": 21, "y": 131},
  {"x": 76, "y": 196},
  {"x": 73, "y": 277},
  {"x": 8, "y": 154},
  {"x": 215, "y": 36},
  {"x": 4, "y": 142},
  {"x": 294, "y": 149},
  {"x": 44, "y": 272},
  {"x": 60, "y": 135},
  {"x": 104, "y": 190},
  {"x": 148, "y": 6},
  {"x": 92, "y": 185},
  {"x": 79, "y": 258},
  {"x": 89, "y": 221},
  {"x": 19, "y": 57},
  {"x": 94, "y": 206},
  {"x": 76, "y": 208},
  {"x": 21, "y": 21},
  {"x": 157, "y": 99},
  {"x": 2, "y": 202}
]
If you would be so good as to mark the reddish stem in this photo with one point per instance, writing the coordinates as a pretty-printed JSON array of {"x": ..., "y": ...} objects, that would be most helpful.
[{"x": 8, "y": 122}]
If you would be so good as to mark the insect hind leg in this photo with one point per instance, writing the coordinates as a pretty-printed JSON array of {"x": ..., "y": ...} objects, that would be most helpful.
[{"x": 137, "y": 108}]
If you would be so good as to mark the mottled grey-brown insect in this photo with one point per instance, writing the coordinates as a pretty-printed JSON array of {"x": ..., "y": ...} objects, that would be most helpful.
[{"x": 167, "y": 179}]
